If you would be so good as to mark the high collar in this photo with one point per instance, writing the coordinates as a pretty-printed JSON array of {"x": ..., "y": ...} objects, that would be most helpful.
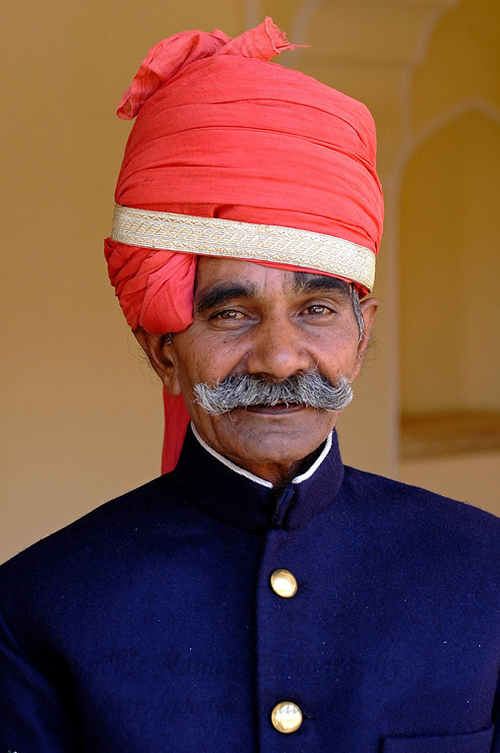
[{"x": 249, "y": 505}]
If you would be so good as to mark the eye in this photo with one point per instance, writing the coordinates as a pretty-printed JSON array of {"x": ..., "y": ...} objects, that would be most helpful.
[
  {"x": 228, "y": 315},
  {"x": 229, "y": 319},
  {"x": 318, "y": 309}
]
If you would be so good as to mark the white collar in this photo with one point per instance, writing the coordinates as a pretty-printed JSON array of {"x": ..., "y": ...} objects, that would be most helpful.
[{"x": 256, "y": 479}]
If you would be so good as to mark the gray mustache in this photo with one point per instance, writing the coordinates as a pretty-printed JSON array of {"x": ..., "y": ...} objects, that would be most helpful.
[{"x": 245, "y": 390}]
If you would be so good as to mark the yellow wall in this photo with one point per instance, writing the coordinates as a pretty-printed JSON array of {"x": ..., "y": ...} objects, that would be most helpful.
[
  {"x": 448, "y": 251},
  {"x": 81, "y": 412},
  {"x": 450, "y": 222},
  {"x": 450, "y": 266}
]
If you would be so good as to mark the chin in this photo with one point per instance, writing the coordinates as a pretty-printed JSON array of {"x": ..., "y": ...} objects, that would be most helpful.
[{"x": 258, "y": 438}]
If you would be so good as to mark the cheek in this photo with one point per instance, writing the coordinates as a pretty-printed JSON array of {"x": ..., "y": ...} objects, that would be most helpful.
[
  {"x": 200, "y": 365},
  {"x": 206, "y": 359},
  {"x": 190, "y": 373},
  {"x": 339, "y": 359}
]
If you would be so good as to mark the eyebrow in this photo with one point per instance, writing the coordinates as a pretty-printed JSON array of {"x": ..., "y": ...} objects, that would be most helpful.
[
  {"x": 303, "y": 282},
  {"x": 222, "y": 293},
  {"x": 307, "y": 282}
]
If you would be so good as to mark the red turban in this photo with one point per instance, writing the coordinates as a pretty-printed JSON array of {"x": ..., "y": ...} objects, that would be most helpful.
[{"x": 234, "y": 156}]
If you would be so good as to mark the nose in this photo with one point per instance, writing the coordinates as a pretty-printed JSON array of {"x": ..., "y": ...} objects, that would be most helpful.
[{"x": 277, "y": 349}]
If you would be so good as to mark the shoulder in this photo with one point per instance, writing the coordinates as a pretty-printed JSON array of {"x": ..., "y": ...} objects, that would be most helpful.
[
  {"x": 411, "y": 497},
  {"x": 106, "y": 533},
  {"x": 424, "y": 519}
]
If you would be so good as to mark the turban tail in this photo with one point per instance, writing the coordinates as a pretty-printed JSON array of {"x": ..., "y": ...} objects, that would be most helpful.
[{"x": 223, "y": 133}]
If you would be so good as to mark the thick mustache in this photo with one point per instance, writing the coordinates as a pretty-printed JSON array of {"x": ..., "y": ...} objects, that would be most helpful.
[{"x": 311, "y": 389}]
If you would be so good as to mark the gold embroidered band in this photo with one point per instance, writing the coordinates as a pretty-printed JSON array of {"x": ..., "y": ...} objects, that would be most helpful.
[{"x": 213, "y": 236}]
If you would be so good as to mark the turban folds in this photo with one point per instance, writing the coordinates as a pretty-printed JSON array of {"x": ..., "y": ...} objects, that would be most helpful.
[{"x": 282, "y": 166}]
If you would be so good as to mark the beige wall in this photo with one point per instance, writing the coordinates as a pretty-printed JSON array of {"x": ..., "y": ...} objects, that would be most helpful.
[
  {"x": 450, "y": 268},
  {"x": 448, "y": 246},
  {"x": 80, "y": 411},
  {"x": 450, "y": 223}
]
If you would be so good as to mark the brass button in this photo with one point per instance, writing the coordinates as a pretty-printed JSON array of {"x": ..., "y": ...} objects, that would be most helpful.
[
  {"x": 284, "y": 583},
  {"x": 286, "y": 717}
]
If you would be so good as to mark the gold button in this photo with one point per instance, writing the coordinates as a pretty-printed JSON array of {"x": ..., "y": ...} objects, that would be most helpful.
[
  {"x": 286, "y": 717},
  {"x": 284, "y": 583}
]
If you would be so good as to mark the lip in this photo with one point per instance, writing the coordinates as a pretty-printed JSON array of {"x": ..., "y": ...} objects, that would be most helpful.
[{"x": 275, "y": 410}]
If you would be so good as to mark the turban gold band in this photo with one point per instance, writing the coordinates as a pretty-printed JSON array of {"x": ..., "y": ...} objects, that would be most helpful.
[{"x": 213, "y": 236}]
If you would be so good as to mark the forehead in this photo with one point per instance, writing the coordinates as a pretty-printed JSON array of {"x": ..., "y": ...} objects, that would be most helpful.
[{"x": 258, "y": 278}]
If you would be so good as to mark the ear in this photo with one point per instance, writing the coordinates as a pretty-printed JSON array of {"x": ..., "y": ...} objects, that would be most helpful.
[
  {"x": 369, "y": 309},
  {"x": 162, "y": 356}
]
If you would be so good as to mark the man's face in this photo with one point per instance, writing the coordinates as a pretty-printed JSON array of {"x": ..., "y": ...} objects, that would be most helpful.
[{"x": 274, "y": 323}]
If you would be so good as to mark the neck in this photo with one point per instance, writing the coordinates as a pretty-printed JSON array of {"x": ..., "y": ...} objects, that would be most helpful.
[
  {"x": 280, "y": 475},
  {"x": 276, "y": 475}
]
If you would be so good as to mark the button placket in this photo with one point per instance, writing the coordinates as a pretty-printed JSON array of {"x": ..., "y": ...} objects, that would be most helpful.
[
  {"x": 280, "y": 704},
  {"x": 286, "y": 716}
]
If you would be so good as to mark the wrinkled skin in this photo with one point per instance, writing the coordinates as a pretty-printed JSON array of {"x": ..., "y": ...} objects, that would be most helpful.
[{"x": 261, "y": 320}]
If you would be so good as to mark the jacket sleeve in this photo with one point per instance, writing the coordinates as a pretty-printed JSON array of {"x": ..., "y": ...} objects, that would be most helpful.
[
  {"x": 495, "y": 746},
  {"x": 33, "y": 717}
]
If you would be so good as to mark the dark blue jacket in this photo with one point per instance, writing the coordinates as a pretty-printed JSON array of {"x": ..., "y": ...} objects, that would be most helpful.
[{"x": 150, "y": 624}]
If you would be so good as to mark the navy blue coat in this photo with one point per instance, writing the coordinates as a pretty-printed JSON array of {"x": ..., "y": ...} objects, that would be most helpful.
[{"x": 150, "y": 624}]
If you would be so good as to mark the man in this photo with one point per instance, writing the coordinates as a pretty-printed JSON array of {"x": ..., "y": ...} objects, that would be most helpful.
[{"x": 258, "y": 596}]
